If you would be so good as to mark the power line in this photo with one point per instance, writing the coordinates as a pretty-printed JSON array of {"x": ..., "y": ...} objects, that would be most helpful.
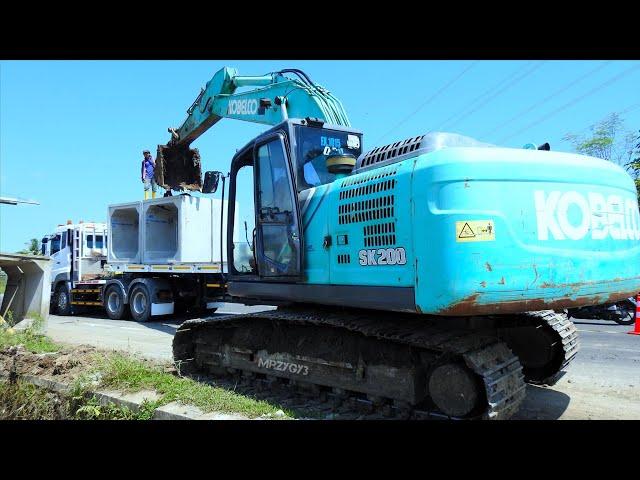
[
  {"x": 570, "y": 103},
  {"x": 498, "y": 93},
  {"x": 494, "y": 87},
  {"x": 546, "y": 99},
  {"x": 431, "y": 98}
]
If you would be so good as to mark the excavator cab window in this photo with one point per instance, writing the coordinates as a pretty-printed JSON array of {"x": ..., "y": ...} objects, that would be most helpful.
[
  {"x": 244, "y": 247},
  {"x": 261, "y": 182},
  {"x": 314, "y": 146},
  {"x": 277, "y": 218}
]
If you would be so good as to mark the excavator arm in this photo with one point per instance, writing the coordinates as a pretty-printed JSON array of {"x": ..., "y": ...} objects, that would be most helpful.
[{"x": 274, "y": 98}]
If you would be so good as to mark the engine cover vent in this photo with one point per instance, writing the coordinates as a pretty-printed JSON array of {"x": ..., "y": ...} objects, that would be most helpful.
[
  {"x": 367, "y": 210},
  {"x": 344, "y": 258},
  {"x": 392, "y": 153},
  {"x": 377, "y": 175},
  {"x": 368, "y": 197},
  {"x": 411, "y": 147},
  {"x": 380, "y": 234}
]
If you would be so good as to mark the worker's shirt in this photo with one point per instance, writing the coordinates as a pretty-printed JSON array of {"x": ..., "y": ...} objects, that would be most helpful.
[{"x": 148, "y": 168}]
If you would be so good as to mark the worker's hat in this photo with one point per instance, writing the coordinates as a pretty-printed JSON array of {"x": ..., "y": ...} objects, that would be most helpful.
[{"x": 146, "y": 151}]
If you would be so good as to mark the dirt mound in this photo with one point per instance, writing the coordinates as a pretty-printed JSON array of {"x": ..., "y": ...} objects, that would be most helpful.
[{"x": 64, "y": 366}]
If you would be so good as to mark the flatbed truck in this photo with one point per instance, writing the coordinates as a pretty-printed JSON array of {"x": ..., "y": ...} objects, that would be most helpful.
[{"x": 151, "y": 258}]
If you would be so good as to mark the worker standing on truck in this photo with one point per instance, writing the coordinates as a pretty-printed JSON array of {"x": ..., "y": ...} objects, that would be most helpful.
[{"x": 147, "y": 174}]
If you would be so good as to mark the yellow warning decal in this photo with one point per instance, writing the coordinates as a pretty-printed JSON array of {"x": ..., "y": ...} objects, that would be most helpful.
[{"x": 475, "y": 231}]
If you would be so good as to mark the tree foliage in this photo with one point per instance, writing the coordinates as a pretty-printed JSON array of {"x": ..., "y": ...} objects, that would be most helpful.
[
  {"x": 634, "y": 164},
  {"x": 610, "y": 140},
  {"x": 33, "y": 247}
]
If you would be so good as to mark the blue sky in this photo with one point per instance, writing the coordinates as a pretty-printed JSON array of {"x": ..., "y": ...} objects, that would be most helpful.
[{"x": 72, "y": 132}]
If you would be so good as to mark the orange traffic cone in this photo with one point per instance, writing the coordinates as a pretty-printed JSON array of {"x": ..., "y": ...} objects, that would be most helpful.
[{"x": 636, "y": 330}]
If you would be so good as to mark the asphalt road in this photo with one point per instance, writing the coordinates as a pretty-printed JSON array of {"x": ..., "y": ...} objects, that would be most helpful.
[
  {"x": 603, "y": 381},
  {"x": 150, "y": 339}
]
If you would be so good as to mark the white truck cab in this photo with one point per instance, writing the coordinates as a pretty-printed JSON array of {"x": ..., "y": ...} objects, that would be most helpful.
[{"x": 78, "y": 253}]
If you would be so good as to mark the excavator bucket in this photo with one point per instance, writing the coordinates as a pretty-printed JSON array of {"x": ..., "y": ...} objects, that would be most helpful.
[{"x": 178, "y": 168}]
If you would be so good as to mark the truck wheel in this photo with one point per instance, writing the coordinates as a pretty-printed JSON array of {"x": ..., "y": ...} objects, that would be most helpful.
[
  {"x": 114, "y": 303},
  {"x": 63, "y": 300},
  {"x": 140, "y": 303}
]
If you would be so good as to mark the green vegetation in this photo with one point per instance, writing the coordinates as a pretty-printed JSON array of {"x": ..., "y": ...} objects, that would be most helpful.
[
  {"x": 92, "y": 410},
  {"x": 129, "y": 374},
  {"x": 610, "y": 140},
  {"x": 30, "y": 337},
  {"x": 33, "y": 248},
  {"x": 3, "y": 281},
  {"x": 23, "y": 401},
  {"x": 634, "y": 164}
]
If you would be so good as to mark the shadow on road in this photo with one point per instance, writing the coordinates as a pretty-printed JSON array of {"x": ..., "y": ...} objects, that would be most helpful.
[
  {"x": 542, "y": 404},
  {"x": 166, "y": 324},
  {"x": 601, "y": 323}
]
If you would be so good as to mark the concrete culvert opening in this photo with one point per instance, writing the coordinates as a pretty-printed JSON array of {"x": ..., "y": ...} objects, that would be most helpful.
[
  {"x": 161, "y": 233},
  {"x": 125, "y": 228}
]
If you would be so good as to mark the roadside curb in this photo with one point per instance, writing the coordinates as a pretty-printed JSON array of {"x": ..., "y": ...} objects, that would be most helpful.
[{"x": 133, "y": 401}]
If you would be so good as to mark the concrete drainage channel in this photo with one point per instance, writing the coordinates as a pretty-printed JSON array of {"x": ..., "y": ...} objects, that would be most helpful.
[{"x": 133, "y": 401}]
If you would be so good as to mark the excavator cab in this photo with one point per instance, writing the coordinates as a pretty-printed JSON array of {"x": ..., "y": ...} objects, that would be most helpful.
[{"x": 270, "y": 178}]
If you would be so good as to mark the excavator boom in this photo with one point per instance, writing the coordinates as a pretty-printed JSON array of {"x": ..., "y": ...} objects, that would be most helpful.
[{"x": 274, "y": 97}]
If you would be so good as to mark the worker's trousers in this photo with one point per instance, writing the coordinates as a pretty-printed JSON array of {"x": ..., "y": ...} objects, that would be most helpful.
[{"x": 150, "y": 183}]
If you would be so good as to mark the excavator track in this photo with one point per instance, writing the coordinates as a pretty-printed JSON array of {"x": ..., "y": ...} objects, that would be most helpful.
[
  {"x": 404, "y": 353},
  {"x": 545, "y": 342}
]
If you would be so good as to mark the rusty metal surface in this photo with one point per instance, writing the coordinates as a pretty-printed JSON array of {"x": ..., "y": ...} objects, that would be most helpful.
[{"x": 473, "y": 305}]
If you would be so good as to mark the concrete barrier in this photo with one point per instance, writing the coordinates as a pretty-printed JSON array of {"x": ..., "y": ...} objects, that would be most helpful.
[{"x": 28, "y": 287}]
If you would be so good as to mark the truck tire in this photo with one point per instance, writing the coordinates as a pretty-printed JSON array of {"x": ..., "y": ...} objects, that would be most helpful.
[
  {"x": 114, "y": 303},
  {"x": 140, "y": 303},
  {"x": 62, "y": 300}
]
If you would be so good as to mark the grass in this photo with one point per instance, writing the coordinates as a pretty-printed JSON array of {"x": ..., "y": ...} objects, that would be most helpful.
[
  {"x": 30, "y": 337},
  {"x": 33, "y": 342},
  {"x": 92, "y": 410},
  {"x": 23, "y": 401},
  {"x": 129, "y": 374}
]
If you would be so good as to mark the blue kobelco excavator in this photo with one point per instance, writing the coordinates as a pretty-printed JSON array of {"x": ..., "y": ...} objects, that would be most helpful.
[{"x": 429, "y": 273}]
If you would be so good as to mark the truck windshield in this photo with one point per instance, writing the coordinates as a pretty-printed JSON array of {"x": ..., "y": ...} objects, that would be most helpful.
[
  {"x": 55, "y": 244},
  {"x": 314, "y": 146}
]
